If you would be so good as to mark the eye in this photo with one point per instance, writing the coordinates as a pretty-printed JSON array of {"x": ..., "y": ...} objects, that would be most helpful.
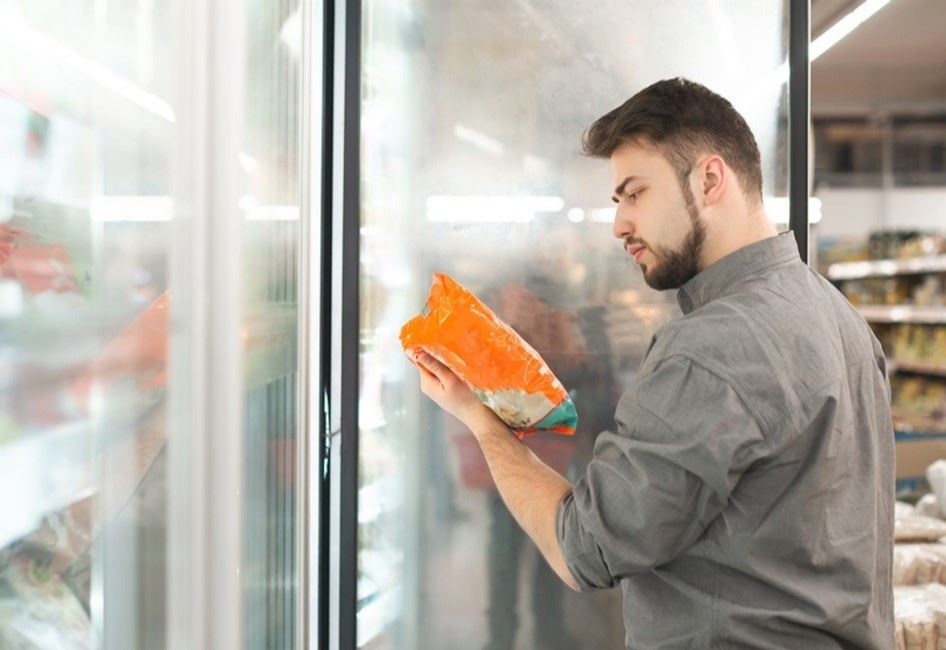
[{"x": 632, "y": 196}]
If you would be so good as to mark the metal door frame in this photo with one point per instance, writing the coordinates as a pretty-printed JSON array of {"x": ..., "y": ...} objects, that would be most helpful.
[{"x": 205, "y": 513}]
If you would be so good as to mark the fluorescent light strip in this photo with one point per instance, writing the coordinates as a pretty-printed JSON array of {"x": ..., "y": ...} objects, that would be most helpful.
[
  {"x": 97, "y": 73},
  {"x": 478, "y": 140},
  {"x": 844, "y": 27},
  {"x": 273, "y": 213},
  {"x": 777, "y": 209},
  {"x": 827, "y": 40},
  {"x": 490, "y": 209},
  {"x": 256, "y": 212},
  {"x": 602, "y": 215},
  {"x": 131, "y": 208}
]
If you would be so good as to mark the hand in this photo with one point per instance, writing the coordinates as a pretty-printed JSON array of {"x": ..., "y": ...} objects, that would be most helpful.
[{"x": 443, "y": 386}]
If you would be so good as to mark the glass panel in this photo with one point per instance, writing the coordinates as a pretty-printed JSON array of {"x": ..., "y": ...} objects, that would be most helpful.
[
  {"x": 464, "y": 100},
  {"x": 86, "y": 132},
  {"x": 271, "y": 205}
]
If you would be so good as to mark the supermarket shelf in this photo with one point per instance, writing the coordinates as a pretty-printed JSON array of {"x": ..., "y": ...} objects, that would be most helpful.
[
  {"x": 887, "y": 268},
  {"x": 377, "y": 498},
  {"x": 933, "y": 369},
  {"x": 62, "y": 452},
  {"x": 902, "y": 314},
  {"x": 914, "y": 427},
  {"x": 902, "y": 435},
  {"x": 911, "y": 485},
  {"x": 129, "y": 435},
  {"x": 376, "y": 613}
]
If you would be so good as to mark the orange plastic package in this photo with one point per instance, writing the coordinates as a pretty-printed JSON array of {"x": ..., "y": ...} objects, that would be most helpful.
[{"x": 504, "y": 371}]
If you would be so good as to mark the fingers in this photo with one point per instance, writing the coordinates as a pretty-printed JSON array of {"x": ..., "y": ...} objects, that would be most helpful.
[
  {"x": 426, "y": 375},
  {"x": 428, "y": 380},
  {"x": 427, "y": 362}
]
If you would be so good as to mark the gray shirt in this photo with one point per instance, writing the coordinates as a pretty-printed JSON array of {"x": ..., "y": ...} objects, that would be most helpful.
[{"x": 746, "y": 498}]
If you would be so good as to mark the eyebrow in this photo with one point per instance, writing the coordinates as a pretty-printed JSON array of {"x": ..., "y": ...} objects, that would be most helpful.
[{"x": 620, "y": 188}]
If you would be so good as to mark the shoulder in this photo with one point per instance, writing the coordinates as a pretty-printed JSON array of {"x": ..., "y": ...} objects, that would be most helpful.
[{"x": 716, "y": 337}]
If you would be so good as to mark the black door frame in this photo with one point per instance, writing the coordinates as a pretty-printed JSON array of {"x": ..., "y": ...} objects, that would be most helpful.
[{"x": 340, "y": 285}]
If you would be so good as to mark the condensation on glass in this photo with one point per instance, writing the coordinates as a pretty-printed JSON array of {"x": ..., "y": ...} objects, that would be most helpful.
[
  {"x": 271, "y": 205},
  {"x": 86, "y": 133},
  {"x": 88, "y": 126},
  {"x": 472, "y": 114}
]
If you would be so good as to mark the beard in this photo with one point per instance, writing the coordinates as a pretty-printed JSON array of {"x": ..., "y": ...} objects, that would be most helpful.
[{"x": 675, "y": 267}]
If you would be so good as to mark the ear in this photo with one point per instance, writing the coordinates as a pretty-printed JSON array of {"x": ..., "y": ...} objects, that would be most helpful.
[{"x": 714, "y": 176}]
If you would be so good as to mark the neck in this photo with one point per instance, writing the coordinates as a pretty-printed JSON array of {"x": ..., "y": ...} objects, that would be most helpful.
[{"x": 751, "y": 227}]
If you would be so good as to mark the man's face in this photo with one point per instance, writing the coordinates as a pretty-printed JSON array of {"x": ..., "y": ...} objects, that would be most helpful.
[{"x": 656, "y": 218}]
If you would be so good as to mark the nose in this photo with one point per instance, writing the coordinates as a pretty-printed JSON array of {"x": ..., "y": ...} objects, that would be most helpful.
[{"x": 623, "y": 227}]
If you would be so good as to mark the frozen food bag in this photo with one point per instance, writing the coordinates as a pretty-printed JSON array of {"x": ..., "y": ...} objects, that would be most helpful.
[{"x": 504, "y": 371}]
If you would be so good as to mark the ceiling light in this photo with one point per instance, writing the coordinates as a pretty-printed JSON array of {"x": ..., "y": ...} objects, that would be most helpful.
[
  {"x": 489, "y": 209},
  {"x": 845, "y": 26},
  {"x": 478, "y": 140}
]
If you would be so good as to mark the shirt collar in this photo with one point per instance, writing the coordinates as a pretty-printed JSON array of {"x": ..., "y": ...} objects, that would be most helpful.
[{"x": 718, "y": 278}]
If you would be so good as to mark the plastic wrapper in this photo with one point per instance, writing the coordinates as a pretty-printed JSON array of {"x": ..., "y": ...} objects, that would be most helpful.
[
  {"x": 920, "y": 617},
  {"x": 917, "y": 528},
  {"x": 917, "y": 564},
  {"x": 928, "y": 506},
  {"x": 903, "y": 509},
  {"x": 504, "y": 371},
  {"x": 936, "y": 477}
]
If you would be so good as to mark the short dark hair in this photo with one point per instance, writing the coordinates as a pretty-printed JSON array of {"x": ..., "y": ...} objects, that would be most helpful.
[{"x": 681, "y": 119}]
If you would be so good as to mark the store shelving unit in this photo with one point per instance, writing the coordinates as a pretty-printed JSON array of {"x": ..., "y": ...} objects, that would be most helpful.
[
  {"x": 910, "y": 426},
  {"x": 917, "y": 367},
  {"x": 903, "y": 314},
  {"x": 886, "y": 268},
  {"x": 63, "y": 450}
]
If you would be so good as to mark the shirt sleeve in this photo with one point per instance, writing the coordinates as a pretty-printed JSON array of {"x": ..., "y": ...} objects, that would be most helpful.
[{"x": 683, "y": 439}]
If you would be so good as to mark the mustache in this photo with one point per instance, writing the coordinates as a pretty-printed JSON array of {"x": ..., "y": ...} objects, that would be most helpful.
[{"x": 634, "y": 241}]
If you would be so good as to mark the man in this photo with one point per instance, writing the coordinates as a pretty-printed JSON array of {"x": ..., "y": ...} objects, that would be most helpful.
[{"x": 746, "y": 498}]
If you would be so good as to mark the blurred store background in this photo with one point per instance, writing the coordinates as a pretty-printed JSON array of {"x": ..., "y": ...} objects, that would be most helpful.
[
  {"x": 878, "y": 106},
  {"x": 215, "y": 217}
]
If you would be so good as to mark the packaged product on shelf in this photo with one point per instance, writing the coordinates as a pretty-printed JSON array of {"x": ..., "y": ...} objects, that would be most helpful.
[
  {"x": 938, "y": 346},
  {"x": 896, "y": 291},
  {"x": 903, "y": 509},
  {"x": 889, "y": 244},
  {"x": 501, "y": 368},
  {"x": 920, "y": 617},
  {"x": 928, "y": 506},
  {"x": 936, "y": 477},
  {"x": 930, "y": 292},
  {"x": 922, "y": 398},
  {"x": 917, "y": 528},
  {"x": 919, "y": 564}
]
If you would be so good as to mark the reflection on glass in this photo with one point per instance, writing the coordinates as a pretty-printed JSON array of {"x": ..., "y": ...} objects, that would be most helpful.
[
  {"x": 471, "y": 120},
  {"x": 85, "y": 133},
  {"x": 270, "y": 203}
]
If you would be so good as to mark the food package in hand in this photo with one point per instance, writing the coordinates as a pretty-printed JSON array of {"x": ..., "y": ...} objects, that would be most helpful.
[{"x": 504, "y": 371}]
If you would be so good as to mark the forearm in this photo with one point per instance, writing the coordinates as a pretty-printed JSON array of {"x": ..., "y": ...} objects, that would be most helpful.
[{"x": 530, "y": 489}]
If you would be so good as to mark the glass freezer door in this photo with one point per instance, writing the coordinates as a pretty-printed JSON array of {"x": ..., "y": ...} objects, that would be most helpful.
[
  {"x": 468, "y": 163},
  {"x": 87, "y": 130},
  {"x": 153, "y": 204}
]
